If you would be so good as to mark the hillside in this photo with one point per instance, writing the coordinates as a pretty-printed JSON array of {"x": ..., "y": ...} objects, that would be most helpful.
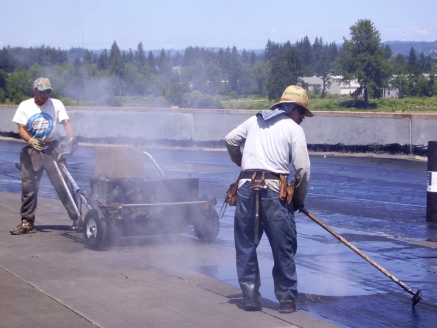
[{"x": 403, "y": 47}]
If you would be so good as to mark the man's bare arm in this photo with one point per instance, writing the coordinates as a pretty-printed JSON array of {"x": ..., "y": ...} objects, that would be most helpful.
[
  {"x": 68, "y": 129},
  {"x": 23, "y": 132}
]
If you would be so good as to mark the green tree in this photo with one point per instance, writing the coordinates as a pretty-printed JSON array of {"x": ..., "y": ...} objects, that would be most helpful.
[
  {"x": 174, "y": 94},
  {"x": 116, "y": 63},
  {"x": 399, "y": 64},
  {"x": 285, "y": 70},
  {"x": 70, "y": 81},
  {"x": 6, "y": 62},
  {"x": 214, "y": 77},
  {"x": 245, "y": 58},
  {"x": 363, "y": 59},
  {"x": 388, "y": 53},
  {"x": 19, "y": 86},
  {"x": 164, "y": 63},
  {"x": 2, "y": 95},
  {"x": 195, "y": 76},
  {"x": 140, "y": 55},
  {"x": 413, "y": 65},
  {"x": 425, "y": 63},
  {"x": 400, "y": 83},
  {"x": 103, "y": 61},
  {"x": 306, "y": 53},
  {"x": 324, "y": 69},
  {"x": 3, "y": 77},
  {"x": 224, "y": 60},
  {"x": 128, "y": 56},
  {"x": 317, "y": 48},
  {"x": 87, "y": 57},
  {"x": 151, "y": 61},
  {"x": 177, "y": 59},
  {"x": 260, "y": 71},
  {"x": 235, "y": 72},
  {"x": 272, "y": 50}
]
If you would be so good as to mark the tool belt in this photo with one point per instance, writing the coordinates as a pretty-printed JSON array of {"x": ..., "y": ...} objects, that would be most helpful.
[
  {"x": 248, "y": 174},
  {"x": 286, "y": 190},
  {"x": 258, "y": 179},
  {"x": 231, "y": 193}
]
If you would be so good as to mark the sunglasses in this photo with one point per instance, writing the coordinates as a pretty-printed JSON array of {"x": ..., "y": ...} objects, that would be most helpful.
[{"x": 46, "y": 92}]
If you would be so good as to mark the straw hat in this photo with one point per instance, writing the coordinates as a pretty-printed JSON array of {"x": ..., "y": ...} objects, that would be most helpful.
[{"x": 295, "y": 95}]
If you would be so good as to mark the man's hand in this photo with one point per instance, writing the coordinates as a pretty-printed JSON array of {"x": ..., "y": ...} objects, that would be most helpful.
[{"x": 36, "y": 144}]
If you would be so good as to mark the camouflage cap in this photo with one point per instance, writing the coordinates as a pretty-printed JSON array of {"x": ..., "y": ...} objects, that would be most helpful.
[{"x": 42, "y": 84}]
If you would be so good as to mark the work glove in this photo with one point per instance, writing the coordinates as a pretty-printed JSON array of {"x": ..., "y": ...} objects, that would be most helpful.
[{"x": 36, "y": 144}]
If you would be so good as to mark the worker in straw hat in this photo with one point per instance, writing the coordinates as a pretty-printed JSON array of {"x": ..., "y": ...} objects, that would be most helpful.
[{"x": 266, "y": 200}]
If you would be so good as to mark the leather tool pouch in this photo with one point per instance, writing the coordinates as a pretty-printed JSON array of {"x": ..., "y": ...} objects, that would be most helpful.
[
  {"x": 285, "y": 190},
  {"x": 231, "y": 193}
]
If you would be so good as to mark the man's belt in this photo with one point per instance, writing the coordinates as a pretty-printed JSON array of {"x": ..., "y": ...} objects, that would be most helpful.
[{"x": 248, "y": 174}]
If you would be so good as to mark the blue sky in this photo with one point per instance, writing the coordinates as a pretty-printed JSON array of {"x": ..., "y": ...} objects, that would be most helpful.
[{"x": 177, "y": 24}]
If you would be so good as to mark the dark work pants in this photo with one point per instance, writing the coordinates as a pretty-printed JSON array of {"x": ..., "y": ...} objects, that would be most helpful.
[
  {"x": 277, "y": 220},
  {"x": 33, "y": 164}
]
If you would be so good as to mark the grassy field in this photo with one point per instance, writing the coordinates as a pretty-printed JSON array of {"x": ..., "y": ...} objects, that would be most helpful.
[
  {"x": 404, "y": 105},
  {"x": 345, "y": 103},
  {"x": 330, "y": 103}
]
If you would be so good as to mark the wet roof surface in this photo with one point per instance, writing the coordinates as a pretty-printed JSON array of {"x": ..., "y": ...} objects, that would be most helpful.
[{"x": 378, "y": 204}]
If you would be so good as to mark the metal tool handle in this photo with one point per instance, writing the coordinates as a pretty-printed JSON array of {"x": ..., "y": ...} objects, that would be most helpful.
[
  {"x": 417, "y": 296},
  {"x": 256, "y": 223},
  {"x": 70, "y": 197},
  {"x": 157, "y": 167},
  {"x": 257, "y": 188},
  {"x": 73, "y": 147}
]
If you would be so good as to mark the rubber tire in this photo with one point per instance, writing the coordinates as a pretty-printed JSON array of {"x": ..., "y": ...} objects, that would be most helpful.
[
  {"x": 207, "y": 229},
  {"x": 95, "y": 230}
]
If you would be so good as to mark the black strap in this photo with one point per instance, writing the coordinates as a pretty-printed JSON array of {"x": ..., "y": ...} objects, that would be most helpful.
[{"x": 267, "y": 175}]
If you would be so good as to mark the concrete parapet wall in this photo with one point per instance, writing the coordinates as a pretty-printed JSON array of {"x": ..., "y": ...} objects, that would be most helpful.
[
  {"x": 199, "y": 125},
  {"x": 358, "y": 128},
  {"x": 6, "y": 115}
]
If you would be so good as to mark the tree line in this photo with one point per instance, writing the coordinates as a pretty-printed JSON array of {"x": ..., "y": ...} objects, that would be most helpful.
[{"x": 199, "y": 76}]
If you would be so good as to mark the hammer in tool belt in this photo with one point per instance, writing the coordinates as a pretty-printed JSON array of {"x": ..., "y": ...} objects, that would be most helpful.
[{"x": 257, "y": 186}]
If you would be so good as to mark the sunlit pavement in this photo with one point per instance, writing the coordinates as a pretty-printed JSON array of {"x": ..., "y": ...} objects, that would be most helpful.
[{"x": 378, "y": 204}]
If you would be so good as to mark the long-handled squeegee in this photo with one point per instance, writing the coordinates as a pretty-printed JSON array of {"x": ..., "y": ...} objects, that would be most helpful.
[{"x": 417, "y": 296}]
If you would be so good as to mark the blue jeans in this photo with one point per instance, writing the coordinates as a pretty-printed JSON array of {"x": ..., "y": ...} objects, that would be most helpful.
[{"x": 277, "y": 220}]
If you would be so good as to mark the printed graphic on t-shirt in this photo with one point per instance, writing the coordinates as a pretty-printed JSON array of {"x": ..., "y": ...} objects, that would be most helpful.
[{"x": 40, "y": 125}]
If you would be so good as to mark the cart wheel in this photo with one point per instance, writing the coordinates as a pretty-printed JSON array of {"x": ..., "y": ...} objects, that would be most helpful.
[
  {"x": 206, "y": 230},
  {"x": 94, "y": 230}
]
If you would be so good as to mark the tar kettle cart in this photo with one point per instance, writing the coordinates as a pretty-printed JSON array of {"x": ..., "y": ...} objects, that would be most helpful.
[{"x": 125, "y": 201}]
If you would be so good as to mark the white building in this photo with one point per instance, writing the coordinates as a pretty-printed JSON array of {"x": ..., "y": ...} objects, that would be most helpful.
[{"x": 339, "y": 88}]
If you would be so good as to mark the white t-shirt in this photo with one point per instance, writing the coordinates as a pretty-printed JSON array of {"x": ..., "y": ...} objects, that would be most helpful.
[
  {"x": 272, "y": 145},
  {"x": 42, "y": 121}
]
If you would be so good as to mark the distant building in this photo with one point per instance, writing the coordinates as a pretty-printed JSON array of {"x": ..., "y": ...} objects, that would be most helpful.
[
  {"x": 315, "y": 84},
  {"x": 177, "y": 69},
  {"x": 390, "y": 93}
]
